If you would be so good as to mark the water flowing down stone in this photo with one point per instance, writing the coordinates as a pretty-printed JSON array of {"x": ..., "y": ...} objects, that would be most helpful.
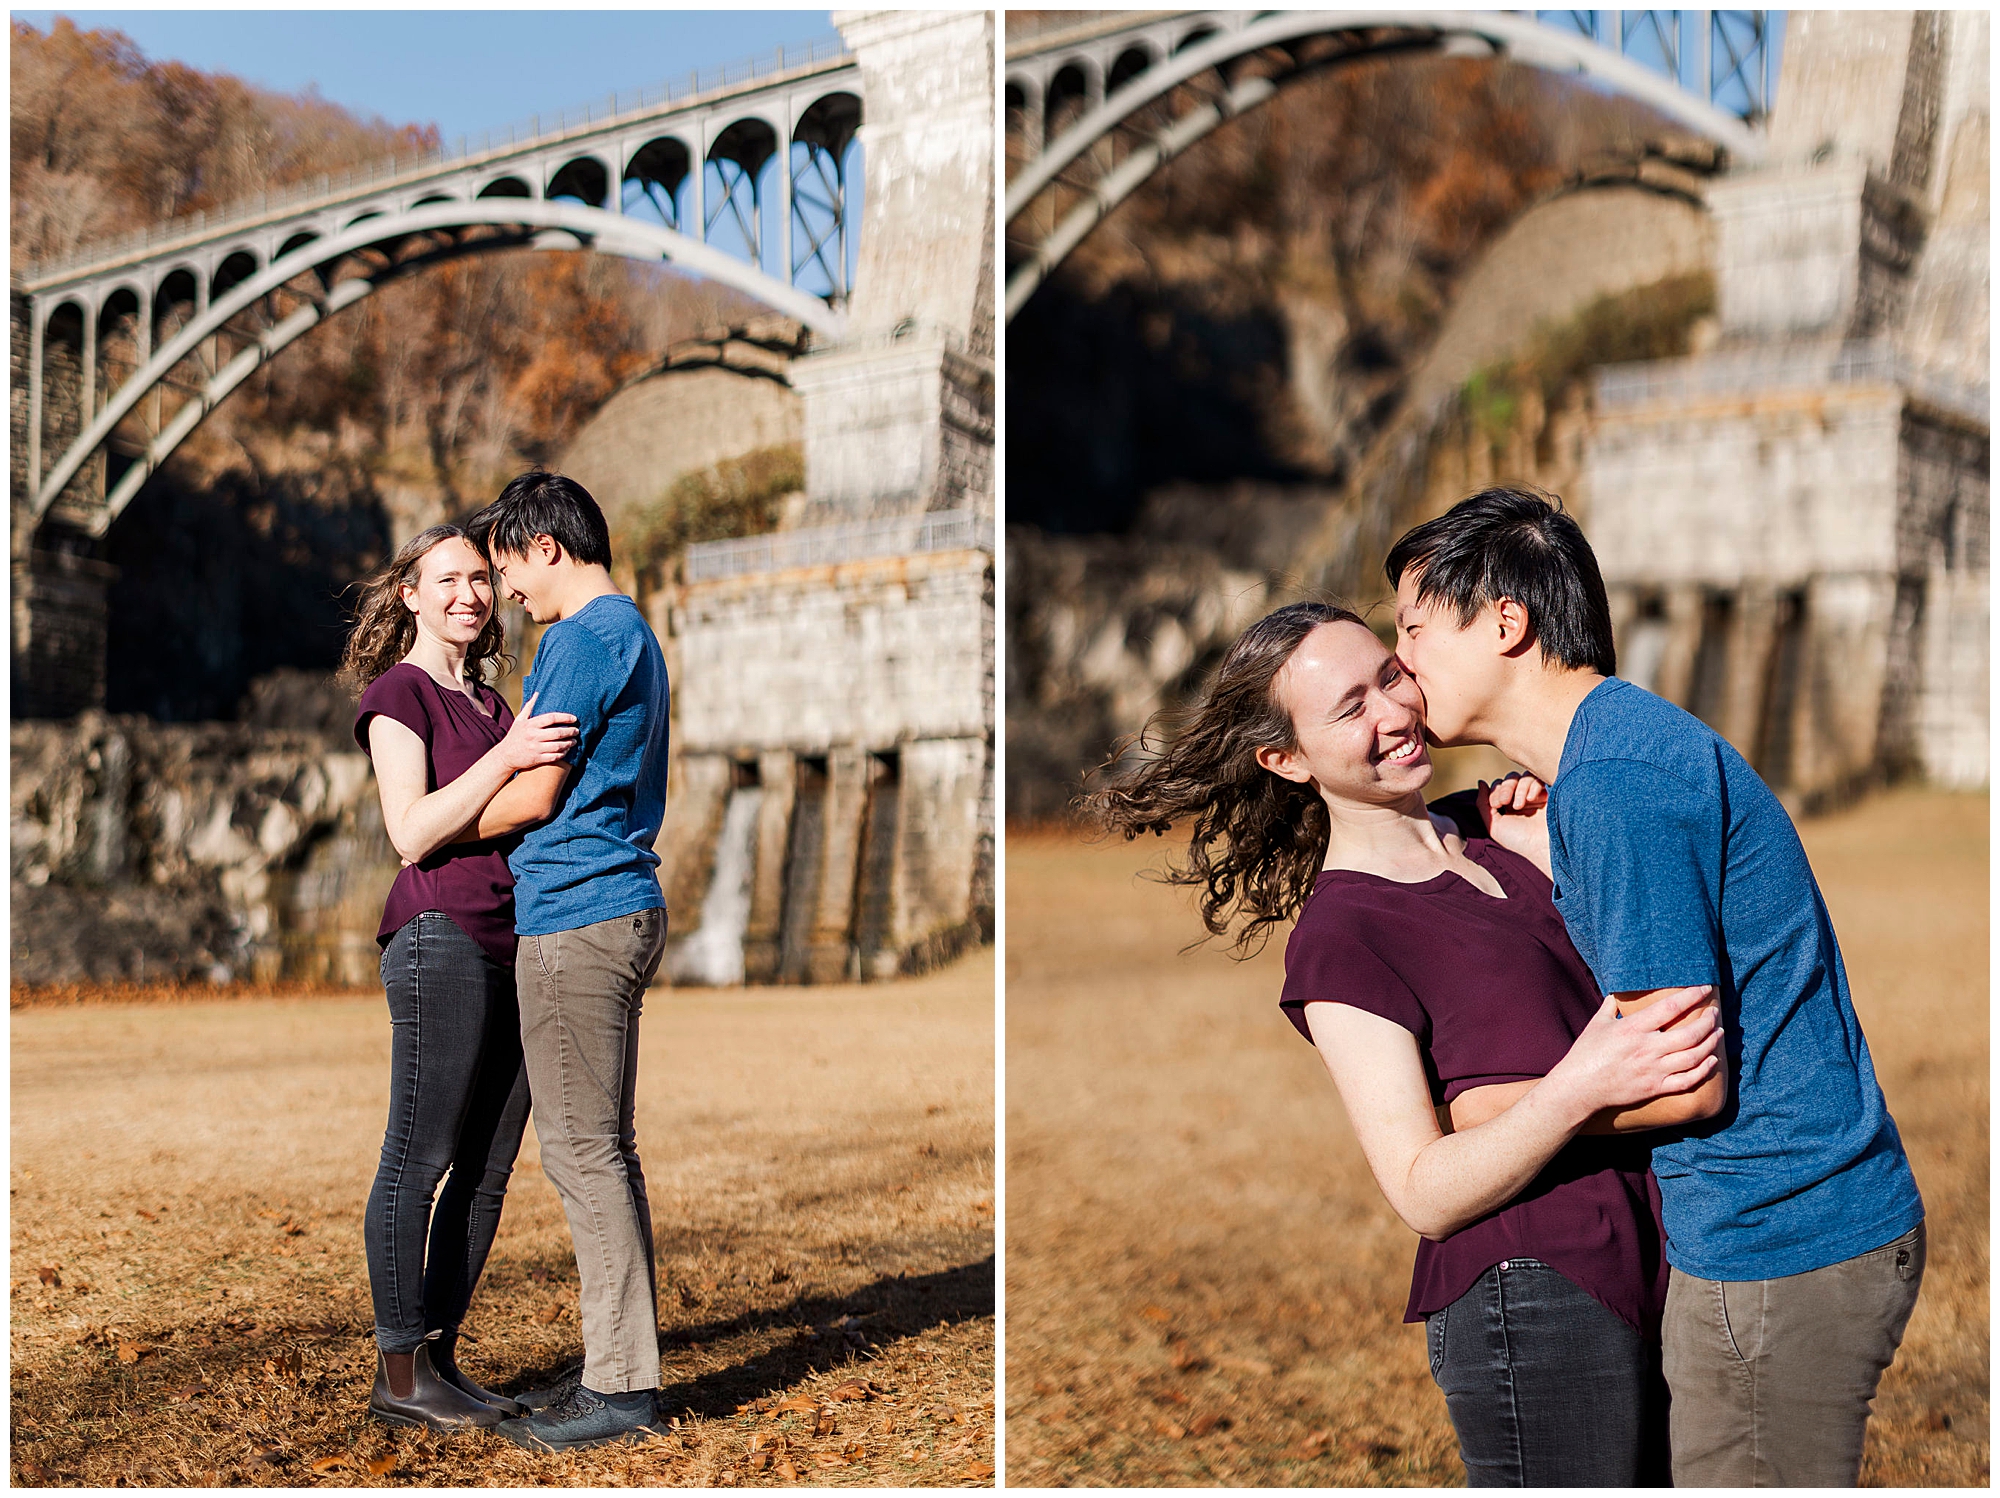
[{"x": 713, "y": 955}]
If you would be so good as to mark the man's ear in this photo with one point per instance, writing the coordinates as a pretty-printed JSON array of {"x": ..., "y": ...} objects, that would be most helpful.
[
  {"x": 1515, "y": 630},
  {"x": 1284, "y": 763},
  {"x": 549, "y": 548}
]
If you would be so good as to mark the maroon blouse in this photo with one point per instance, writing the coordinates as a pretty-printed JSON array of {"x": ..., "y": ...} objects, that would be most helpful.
[
  {"x": 469, "y": 882},
  {"x": 1494, "y": 992}
]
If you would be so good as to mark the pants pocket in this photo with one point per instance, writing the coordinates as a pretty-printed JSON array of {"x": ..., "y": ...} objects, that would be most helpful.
[{"x": 1434, "y": 1333}]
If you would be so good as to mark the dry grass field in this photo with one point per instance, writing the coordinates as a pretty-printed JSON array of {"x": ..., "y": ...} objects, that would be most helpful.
[
  {"x": 190, "y": 1303},
  {"x": 1204, "y": 1285}
]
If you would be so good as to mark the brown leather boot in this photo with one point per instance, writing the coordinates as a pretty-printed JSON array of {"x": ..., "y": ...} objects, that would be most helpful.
[
  {"x": 409, "y": 1391},
  {"x": 444, "y": 1359}
]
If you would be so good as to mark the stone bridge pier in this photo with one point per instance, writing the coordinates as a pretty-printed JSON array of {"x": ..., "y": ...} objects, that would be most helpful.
[
  {"x": 1794, "y": 525},
  {"x": 831, "y": 811}
]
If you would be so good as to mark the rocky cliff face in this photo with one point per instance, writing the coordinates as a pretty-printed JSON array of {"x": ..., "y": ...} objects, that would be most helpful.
[{"x": 148, "y": 851}]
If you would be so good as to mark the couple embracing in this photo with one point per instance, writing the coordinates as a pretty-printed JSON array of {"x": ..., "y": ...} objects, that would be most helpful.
[
  {"x": 1591, "y": 1025},
  {"x": 517, "y": 944}
]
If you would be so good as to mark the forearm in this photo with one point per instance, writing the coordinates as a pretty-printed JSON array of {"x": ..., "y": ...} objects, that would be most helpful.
[
  {"x": 1477, "y": 1105},
  {"x": 433, "y": 820},
  {"x": 1461, "y": 1177},
  {"x": 521, "y": 803}
]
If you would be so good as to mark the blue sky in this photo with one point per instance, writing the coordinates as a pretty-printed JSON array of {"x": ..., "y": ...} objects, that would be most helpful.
[{"x": 462, "y": 70}]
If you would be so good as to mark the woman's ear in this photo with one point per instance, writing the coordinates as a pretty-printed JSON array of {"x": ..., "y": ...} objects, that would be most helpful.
[
  {"x": 408, "y": 593},
  {"x": 1284, "y": 763}
]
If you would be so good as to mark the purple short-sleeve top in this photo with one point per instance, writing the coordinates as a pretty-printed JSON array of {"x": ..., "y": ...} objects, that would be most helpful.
[
  {"x": 469, "y": 882},
  {"x": 1493, "y": 991}
]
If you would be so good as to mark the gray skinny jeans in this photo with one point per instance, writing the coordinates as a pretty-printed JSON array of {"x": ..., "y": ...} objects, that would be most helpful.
[{"x": 581, "y": 993}]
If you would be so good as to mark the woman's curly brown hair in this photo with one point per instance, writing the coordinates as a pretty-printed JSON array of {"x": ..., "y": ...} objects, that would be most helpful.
[
  {"x": 1258, "y": 839},
  {"x": 385, "y": 629}
]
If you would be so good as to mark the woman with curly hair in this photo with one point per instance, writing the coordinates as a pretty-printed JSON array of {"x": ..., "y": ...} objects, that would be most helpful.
[
  {"x": 443, "y": 743},
  {"x": 1428, "y": 965}
]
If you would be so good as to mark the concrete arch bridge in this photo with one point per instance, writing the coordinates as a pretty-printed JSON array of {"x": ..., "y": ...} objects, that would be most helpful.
[
  {"x": 744, "y": 176},
  {"x": 1095, "y": 107}
]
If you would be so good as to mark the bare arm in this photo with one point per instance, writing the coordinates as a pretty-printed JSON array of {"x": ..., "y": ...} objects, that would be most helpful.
[
  {"x": 530, "y": 797},
  {"x": 1437, "y": 1182},
  {"x": 420, "y": 822},
  {"x": 1476, "y": 1105}
]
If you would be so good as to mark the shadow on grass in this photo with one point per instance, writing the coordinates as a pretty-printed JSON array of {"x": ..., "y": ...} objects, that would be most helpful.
[{"x": 831, "y": 1331}]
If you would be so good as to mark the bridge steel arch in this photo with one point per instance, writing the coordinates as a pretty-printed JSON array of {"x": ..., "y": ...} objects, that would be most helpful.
[
  {"x": 404, "y": 243},
  {"x": 1068, "y": 185}
]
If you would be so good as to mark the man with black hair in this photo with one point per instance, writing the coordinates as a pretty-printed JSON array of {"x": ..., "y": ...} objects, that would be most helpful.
[
  {"x": 1794, "y": 1227},
  {"x": 591, "y": 925}
]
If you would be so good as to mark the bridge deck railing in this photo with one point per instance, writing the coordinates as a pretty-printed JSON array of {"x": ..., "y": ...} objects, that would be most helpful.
[
  {"x": 850, "y": 541},
  {"x": 1752, "y": 371},
  {"x": 534, "y": 130}
]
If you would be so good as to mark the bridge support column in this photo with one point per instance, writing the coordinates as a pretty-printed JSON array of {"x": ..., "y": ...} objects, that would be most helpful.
[
  {"x": 58, "y": 623},
  {"x": 1847, "y": 394},
  {"x": 899, "y": 418}
]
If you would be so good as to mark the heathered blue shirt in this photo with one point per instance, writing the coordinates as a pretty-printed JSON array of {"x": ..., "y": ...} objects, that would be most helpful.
[
  {"x": 594, "y": 860},
  {"x": 1675, "y": 865}
]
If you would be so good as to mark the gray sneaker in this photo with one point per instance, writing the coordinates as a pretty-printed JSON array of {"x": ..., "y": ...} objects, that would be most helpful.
[
  {"x": 583, "y": 1419},
  {"x": 566, "y": 1384}
]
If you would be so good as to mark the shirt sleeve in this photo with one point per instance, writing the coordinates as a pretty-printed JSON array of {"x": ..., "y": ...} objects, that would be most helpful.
[
  {"x": 572, "y": 675},
  {"x": 1640, "y": 872},
  {"x": 1329, "y": 960},
  {"x": 394, "y": 695}
]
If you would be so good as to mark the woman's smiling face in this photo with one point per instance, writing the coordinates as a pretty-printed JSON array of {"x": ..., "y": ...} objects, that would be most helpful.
[
  {"x": 453, "y": 594},
  {"x": 1358, "y": 717}
]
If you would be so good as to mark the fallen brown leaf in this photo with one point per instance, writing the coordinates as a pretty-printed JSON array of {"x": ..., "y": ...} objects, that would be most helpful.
[
  {"x": 1170, "y": 1430},
  {"x": 149, "y": 1216},
  {"x": 332, "y": 1464},
  {"x": 797, "y": 1403},
  {"x": 1937, "y": 1420},
  {"x": 549, "y": 1315},
  {"x": 887, "y": 1427},
  {"x": 294, "y": 1229},
  {"x": 759, "y": 1460},
  {"x": 381, "y": 1465},
  {"x": 977, "y": 1471},
  {"x": 823, "y": 1427},
  {"x": 131, "y": 1352},
  {"x": 1156, "y": 1313},
  {"x": 784, "y": 1470},
  {"x": 539, "y": 1276},
  {"x": 852, "y": 1389},
  {"x": 831, "y": 1459},
  {"x": 1201, "y": 1425},
  {"x": 49, "y": 1275}
]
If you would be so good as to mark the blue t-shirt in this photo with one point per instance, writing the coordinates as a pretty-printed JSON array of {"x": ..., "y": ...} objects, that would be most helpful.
[
  {"x": 1675, "y": 865},
  {"x": 594, "y": 860}
]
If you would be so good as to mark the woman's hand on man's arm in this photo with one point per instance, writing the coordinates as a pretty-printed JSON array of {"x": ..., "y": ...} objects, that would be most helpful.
[
  {"x": 420, "y": 821},
  {"x": 1439, "y": 1182}
]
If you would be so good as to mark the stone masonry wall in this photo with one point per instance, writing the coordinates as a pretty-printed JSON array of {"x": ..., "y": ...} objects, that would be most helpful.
[{"x": 215, "y": 850}]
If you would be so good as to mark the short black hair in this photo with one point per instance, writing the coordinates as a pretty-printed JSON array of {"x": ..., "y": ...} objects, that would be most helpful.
[
  {"x": 1518, "y": 544},
  {"x": 539, "y": 503}
]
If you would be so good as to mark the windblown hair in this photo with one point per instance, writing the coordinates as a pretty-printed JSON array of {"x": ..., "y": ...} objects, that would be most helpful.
[
  {"x": 1258, "y": 840},
  {"x": 1518, "y": 544},
  {"x": 385, "y": 629}
]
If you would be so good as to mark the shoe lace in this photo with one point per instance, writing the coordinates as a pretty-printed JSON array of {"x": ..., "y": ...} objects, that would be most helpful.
[{"x": 574, "y": 1404}]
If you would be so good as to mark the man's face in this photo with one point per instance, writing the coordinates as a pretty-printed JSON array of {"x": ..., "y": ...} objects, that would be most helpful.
[
  {"x": 526, "y": 576},
  {"x": 1459, "y": 669}
]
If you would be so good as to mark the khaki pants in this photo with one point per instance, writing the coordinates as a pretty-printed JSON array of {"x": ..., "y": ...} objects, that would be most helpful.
[
  {"x": 1772, "y": 1379},
  {"x": 580, "y": 996}
]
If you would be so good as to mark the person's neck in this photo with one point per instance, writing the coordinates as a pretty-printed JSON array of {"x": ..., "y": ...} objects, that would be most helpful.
[
  {"x": 1531, "y": 724},
  {"x": 439, "y": 659},
  {"x": 586, "y": 581},
  {"x": 1395, "y": 840}
]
